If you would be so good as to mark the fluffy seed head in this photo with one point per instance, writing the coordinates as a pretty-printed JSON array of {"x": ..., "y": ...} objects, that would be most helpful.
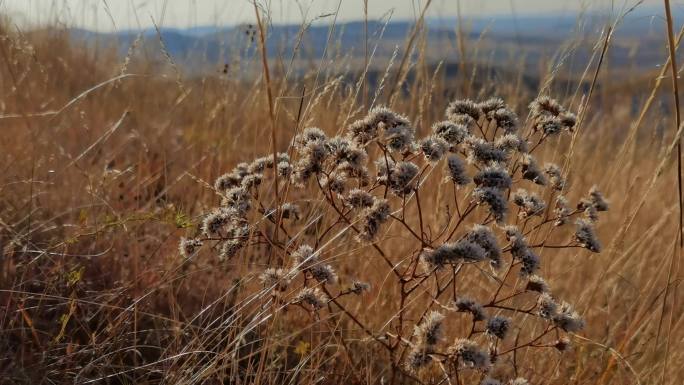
[
  {"x": 189, "y": 246},
  {"x": 452, "y": 133},
  {"x": 468, "y": 305},
  {"x": 429, "y": 331},
  {"x": 434, "y": 148},
  {"x": 494, "y": 177},
  {"x": 498, "y": 326},
  {"x": 586, "y": 236},
  {"x": 278, "y": 279},
  {"x": 484, "y": 237},
  {"x": 312, "y": 296},
  {"x": 482, "y": 152},
  {"x": 531, "y": 171},
  {"x": 568, "y": 319},
  {"x": 494, "y": 200},
  {"x": 457, "y": 172},
  {"x": 470, "y": 354},
  {"x": 463, "y": 107}
]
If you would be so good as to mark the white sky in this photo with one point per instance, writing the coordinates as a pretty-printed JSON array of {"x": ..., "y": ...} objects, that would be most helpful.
[{"x": 124, "y": 14}]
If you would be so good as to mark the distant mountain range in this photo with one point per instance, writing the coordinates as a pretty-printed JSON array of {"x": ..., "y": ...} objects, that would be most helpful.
[{"x": 639, "y": 40}]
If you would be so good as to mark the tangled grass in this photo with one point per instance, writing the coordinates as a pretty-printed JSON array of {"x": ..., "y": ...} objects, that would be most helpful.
[{"x": 382, "y": 258}]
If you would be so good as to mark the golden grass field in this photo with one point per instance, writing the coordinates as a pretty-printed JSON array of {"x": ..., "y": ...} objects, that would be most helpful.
[{"x": 106, "y": 162}]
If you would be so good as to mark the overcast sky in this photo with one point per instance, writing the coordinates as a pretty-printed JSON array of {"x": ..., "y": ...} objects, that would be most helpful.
[{"x": 124, "y": 14}]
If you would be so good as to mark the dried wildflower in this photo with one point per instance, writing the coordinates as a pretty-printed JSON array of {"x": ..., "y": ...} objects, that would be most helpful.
[
  {"x": 373, "y": 217},
  {"x": 278, "y": 279},
  {"x": 568, "y": 120},
  {"x": 229, "y": 249},
  {"x": 335, "y": 182},
  {"x": 561, "y": 211},
  {"x": 215, "y": 222},
  {"x": 258, "y": 165},
  {"x": 470, "y": 354},
  {"x": 467, "y": 305},
  {"x": 490, "y": 381},
  {"x": 453, "y": 134},
  {"x": 386, "y": 117},
  {"x": 537, "y": 283},
  {"x": 484, "y": 237},
  {"x": 241, "y": 169},
  {"x": 418, "y": 358},
  {"x": 323, "y": 273},
  {"x": 531, "y": 171},
  {"x": 547, "y": 306},
  {"x": 359, "y": 287},
  {"x": 309, "y": 135},
  {"x": 284, "y": 169},
  {"x": 494, "y": 199},
  {"x": 506, "y": 119},
  {"x": 312, "y": 296},
  {"x": 494, "y": 177},
  {"x": 358, "y": 199},
  {"x": 544, "y": 105},
  {"x": 463, "y": 107},
  {"x": 362, "y": 131},
  {"x": 591, "y": 213},
  {"x": 429, "y": 332},
  {"x": 399, "y": 137},
  {"x": 490, "y": 105},
  {"x": 530, "y": 204},
  {"x": 251, "y": 181},
  {"x": 305, "y": 257},
  {"x": 227, "y": 181},
  {"x": 586, "y": 237},
  {"x": 344, "y": 151},
  {"x": 402, "y": 176},
  {"x": 530, "y": 263},
  {"x": 189, "y": 246},
  {"x": 555, "y": 176},
  {"x": 511, "y": 142},
  {"x": 482, "y": 152},
  {"x": 549, "y": 125},
  {"x": 597, "y": 199},
  {"x": 434, "y": 148},
  {"x": 457, "y": 172},
  {"x": 498, "y": 326},
  {"x": 237, "y": 198},
  {"x": 568, "y": 319},
  {"x": 463, "y": 251}
]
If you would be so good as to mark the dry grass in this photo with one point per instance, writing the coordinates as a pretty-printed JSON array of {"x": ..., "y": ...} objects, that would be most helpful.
[{"x": 101, "y": 176}]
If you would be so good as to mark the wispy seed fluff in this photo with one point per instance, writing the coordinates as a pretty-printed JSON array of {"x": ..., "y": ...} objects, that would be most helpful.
[
  {"x": 493, "y": 176},
  {"x": 511, "y": 142},
  {"x": 586, "y": 237},
  {"x": 568, "y": 319},
  {"x": 237, "y": 199},
  {"x": 498, "y": 326},
  {"x": 555, "y": 177},
  {"x": 323, "y": 273},
  {"x": 362, "y": 131},
  {"x": 462, "y": 251},
  {"x": 189, "y": 246},
  {"x": 482, "y": 152},
  {"x": 418, "y": 358},
  {"x": 484, "y": 237},
  {"x": 494, "y": 199},
  {"x": 457, "y": 170},
  {"x": 531, "y": 171},
  {"x": 335, "y": 182},
  {"x": 312, "y": 296},
  {"x": 490, "y": 105},
  {"x": 521, "y": 252},
  {"x": 343, "y": 150},
  {"x": 506, "y": 119},
  {"x": 597, "y": 199},
  {"x": 561, "y": 211},
  {"x": 359, "y": 199},
  {"x": 399, "y": 138},
  {"x": 400, "y": 177},
  {"x": 386, "y": 117},
  {"x": 215, "y": 222},
  {"x": 434, "y": 148},
  {"x": 304, "y": 257},
  {"x": 537, "y": 283},
  {"x": 359, "y": 287},
  {"x": 469, "y": 354},
  {"x": 429, "y": 331},
  {"x": 463, "y": 107},
  {"x": 530, "y": 204},
  {"x": 547, "y": 306},
  {"x": 373, "y": 217},
  {"x": 452, "y": 133},
  {"x": 467, "y": 305},
  {"x": 227, "y": 181},
  {"x": 278, "y": 279}
]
